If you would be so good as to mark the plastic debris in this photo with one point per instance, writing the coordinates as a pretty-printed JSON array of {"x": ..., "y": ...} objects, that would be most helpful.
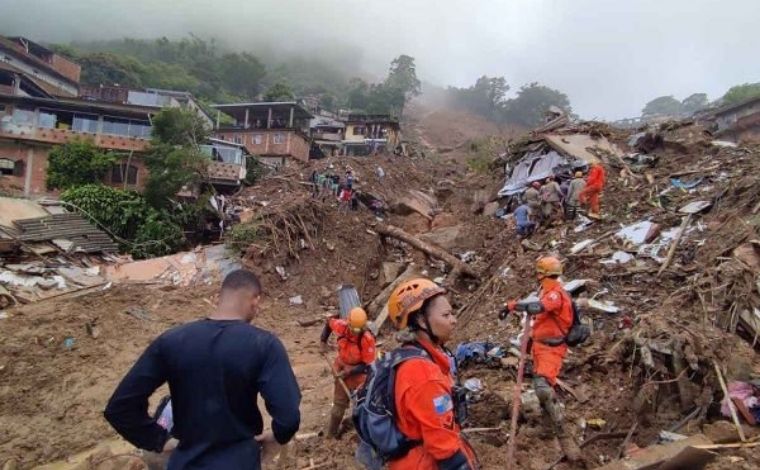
[{"x": 296, "y": 300}]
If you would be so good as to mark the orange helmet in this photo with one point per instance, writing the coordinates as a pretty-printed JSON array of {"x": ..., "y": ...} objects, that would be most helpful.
[
  {"x": 357, "y": 318},
  {"x": 549, "y": 266},
  {"x": 409, "y": 297}
]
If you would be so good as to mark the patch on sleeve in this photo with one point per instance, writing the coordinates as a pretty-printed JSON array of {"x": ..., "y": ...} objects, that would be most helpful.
[
  {"x": 442, "y": 404},
  {"x": 553, "y": 296}
]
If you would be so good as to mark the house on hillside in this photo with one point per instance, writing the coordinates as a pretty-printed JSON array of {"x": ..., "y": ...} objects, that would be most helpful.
[
  {"x": 148, "y": 97},
  {"x": 31, "y": 127},
  {"x": 367, "y": 134},
  {"x": 739, "y": 122},
  {"x": 29, "y": 69},
  {"x": 327, "y": 133},
  {"x": 276, "y": 132}
]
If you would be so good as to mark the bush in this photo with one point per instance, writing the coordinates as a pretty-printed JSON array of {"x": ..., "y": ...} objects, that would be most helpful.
[
  {"x": 242, "y": 236},
  {"x": 76, "y": 163},
  {"x": 142, "y": 230}
]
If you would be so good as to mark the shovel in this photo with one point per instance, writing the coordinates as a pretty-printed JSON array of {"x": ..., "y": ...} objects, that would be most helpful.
[{"x": 518, "y": 394}]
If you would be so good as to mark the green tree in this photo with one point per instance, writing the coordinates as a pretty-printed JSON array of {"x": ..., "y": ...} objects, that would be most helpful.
[
  {"x": 176, "y": 126},
  {"x": 104, "y": 68},
  {"x": 242, "y": 74},
  {"x": 76, "y": 163},
  {"x": 174, "y": 159},
  {"x": 402, "y": 83},
  {"x": 737, "y": 94},
  {"x": 662, "y": 106},
  {"x": 695, "y": 102},
  {"x": 487, "y": 97},
  {"x": 358, "y": 95},
  {"x": 531, "y": 102},
  {"x": 279, "y": 92}
]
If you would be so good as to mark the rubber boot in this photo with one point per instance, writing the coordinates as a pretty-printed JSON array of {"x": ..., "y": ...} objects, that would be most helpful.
[{"x": 336, "y": 416}]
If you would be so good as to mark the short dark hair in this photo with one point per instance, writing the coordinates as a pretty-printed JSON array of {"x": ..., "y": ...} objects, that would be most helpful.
[{"x": 241, "y": 279}]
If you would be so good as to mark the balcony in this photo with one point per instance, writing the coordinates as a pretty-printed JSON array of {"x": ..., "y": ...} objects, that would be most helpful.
[
  {"x": 332, "y": 136},
  {"x": 62, "y": 136}
]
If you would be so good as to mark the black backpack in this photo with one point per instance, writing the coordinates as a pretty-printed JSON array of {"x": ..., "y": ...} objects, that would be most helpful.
[{"x": 579, "y": 332}]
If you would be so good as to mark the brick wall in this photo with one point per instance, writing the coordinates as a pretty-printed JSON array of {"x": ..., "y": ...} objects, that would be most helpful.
[{"x": 35, "y": 159}]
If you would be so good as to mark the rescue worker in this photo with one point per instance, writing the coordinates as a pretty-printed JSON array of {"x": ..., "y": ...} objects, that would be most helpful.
[
  {"x": 594, "y": 185},
  {"x": 356, "y": 351},
  {"x": 573, "y": 195},
  {"x": 532, "y": 198},
  {"x": 424, "y": 392},
  {"x": 547, "y": 347},
  {"x": 525, "y": 225},
  {"x": 551, "y": 199}
]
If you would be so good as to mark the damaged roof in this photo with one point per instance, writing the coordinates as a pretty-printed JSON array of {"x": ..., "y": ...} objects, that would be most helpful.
[
  {"x": 581, "y": 146},
  {"x": 69, "y": 226}
]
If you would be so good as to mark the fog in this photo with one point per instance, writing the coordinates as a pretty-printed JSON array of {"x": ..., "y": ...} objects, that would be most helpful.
[{"x": 609, "y": 57}]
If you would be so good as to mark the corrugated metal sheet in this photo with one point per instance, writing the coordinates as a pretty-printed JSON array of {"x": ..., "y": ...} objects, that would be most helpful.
[{"x": 70, "y": 226}]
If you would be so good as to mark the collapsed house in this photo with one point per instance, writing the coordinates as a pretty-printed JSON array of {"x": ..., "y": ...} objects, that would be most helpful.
[{"x": 560, "y": 153}]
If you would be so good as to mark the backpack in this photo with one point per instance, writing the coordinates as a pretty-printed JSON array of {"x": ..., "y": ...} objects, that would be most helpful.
[
  {"x": 374, "y": 413},
  {"x": 579, "y": 332}
]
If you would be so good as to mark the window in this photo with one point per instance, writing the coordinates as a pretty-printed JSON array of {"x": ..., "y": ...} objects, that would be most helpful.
[
  {"x": 278, "y": 138},
  {"x": 23, "y": 117},
  {"x": 11, "y": 167},
  {"x": 237, "y": 139},
  {"x": 85, "y": 123},
  {"x": 119, "y": 171},
  {"x": 257, "y": 139},
  {"x": 359, "y": 130}
]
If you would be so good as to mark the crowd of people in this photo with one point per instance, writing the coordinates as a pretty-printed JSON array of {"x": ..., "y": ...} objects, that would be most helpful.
[{"x": 547, "y": 203}]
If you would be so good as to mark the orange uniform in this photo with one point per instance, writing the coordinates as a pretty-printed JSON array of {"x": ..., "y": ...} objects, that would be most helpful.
[
  {"x": 353, "y": 350},
  {"x": 553, "y": 323},
  {"x": 594, "y": 185},
  {"x": 425, "y": 412}
]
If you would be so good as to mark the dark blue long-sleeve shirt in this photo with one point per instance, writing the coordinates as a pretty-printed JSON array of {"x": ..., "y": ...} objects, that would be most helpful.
[{"x": 215, "y": 370}]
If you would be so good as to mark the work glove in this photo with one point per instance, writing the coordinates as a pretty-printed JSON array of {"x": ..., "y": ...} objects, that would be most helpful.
[{"x": 508, "y": 308}]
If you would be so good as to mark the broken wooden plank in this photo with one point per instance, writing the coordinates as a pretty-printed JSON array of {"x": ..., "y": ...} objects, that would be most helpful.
[
  {"x": 730, "y": 403},
  {"x": 674, "y": 244}
]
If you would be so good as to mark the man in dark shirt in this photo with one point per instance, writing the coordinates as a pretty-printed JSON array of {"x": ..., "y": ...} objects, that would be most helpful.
[{"x": 215, "y": 367}]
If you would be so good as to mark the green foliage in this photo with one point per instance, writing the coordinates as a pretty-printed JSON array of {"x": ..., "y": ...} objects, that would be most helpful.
[
  {"x": 663, "y": 106},
  {"x": 109, "y": 69},
  {"x": 143, "y": 230},
  {"x": 486, "y": 98},
  {"x": 402, "y": 83},
  {"x": 279, "y": 92},
  {"x": 695, "y": 102},
  {"x": 170, "y": 169},
  {"x": 531, "y": 102},
  {"x": 255, "y": 170},
  {"x": 241, "y": 236},
  {"x": 176, "y": 126},
  {"x": 739, "y": 93},
  {"x": 76, "y": 163}
]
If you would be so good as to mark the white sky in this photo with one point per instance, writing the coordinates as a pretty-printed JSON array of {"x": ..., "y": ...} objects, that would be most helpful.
[{"x": 609, "y": 56}]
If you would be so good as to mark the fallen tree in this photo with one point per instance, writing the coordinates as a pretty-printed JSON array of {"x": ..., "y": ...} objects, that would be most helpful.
[{"x": 458, "y": 267}]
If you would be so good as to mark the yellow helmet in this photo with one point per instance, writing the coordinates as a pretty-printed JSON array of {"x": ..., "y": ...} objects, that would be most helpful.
[
  {"x": 357, "y": 319},
  {"x": 549, "y": 266},
  {"x": 408, "y": 297}
]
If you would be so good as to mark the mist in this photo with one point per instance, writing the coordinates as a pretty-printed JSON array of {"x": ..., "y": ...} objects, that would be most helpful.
[{"x": 610, "y": 58}]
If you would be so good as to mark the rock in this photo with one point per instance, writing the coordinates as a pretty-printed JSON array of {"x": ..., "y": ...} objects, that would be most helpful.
[
  {"x": 721, "y": 432},
  {"x": 444, "y": 237},
  {"x": 391, "y": 272},
  {"x": 489, "y": 210}
]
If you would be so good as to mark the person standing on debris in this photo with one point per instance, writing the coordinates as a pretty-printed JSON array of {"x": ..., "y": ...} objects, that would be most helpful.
[
  {"x": 551, "y": 323},
  {"x": 594, "y": 186},
  {"x": 429, "y": 409},
  {"x": 356, "y": 351},
  {"x": 344, "y": 199},
  {"x": 216, "y": 367},
  {"x": 523, "y": 221},
  {"x": 573, "y": 195},
  {"x": 532, "y": 198},
  {"x": 349, "y": 179},
  {"x": 551, "y": 200},
  {"x": 314, "y": 180}
]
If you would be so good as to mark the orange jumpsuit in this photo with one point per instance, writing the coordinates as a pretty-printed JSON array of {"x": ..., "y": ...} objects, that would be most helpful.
[
  {"x": 352, "y": 350},
  {"x": 594, "y": 185},
  {"x": 425, "y": 412},
  {"x": 553, "y": 323}
]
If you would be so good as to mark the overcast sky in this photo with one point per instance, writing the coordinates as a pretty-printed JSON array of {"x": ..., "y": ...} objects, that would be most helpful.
[{"x": 609, "y": 56}]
